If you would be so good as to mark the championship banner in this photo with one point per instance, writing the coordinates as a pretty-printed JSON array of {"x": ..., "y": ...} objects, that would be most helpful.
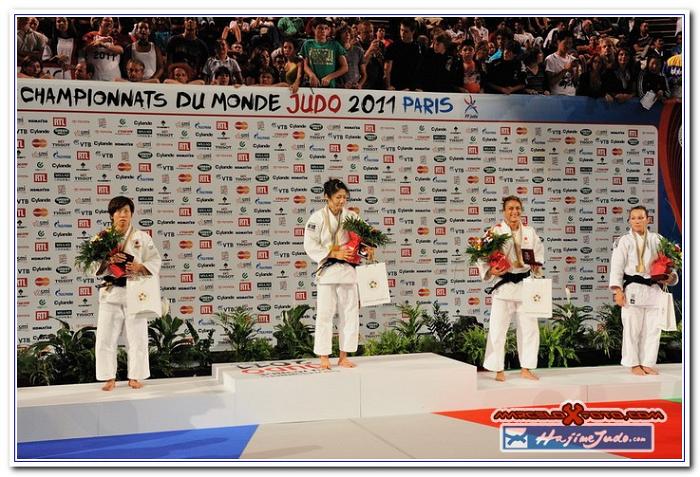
[{"x": 224, "y": 180}]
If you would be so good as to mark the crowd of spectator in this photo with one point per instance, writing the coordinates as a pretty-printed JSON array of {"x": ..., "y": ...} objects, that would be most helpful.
[{"x": 601, "y": 57}]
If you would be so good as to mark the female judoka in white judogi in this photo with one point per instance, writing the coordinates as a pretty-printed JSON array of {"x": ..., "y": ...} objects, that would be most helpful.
[
  {"x": 507, "y": 292},
  {"x": 112, "y": 315},
  {"x": 639, "y": 296},
  {"x": 336, "y": 280}
]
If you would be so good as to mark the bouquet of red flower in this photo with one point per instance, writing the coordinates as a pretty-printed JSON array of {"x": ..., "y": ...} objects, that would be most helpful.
[
  {"x": 363, "y": 236},
  {"x": 670, "y": 257},
  {"x": 98, "y": 249},
  {"x": 489, "y": 248}
]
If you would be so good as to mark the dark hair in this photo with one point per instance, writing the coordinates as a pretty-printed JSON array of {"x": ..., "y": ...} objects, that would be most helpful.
[
  {"x": 507, "y": 199},
  {"x": 332, "y": 186},
  {"x": 118, "y": 202},
  {"x": 531, "y": 55},
  {"x": 409, "y": 23},
  {"x": 137, "y": 62},
  {"x": 320, "y": 21},
  {"x": 638, "y": 207},
  {"x": 221, "y": 71},
  {"x": 564, "y": 35}
]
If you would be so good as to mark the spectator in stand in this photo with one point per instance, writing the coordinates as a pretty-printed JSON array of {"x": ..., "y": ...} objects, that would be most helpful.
[
  {"x": 259, "y": 60},
  {"x": 535, "y": 79},
  {"x": 324, "y": 59},
  {"x": 620, "y": 83},
  {"x": 471, "y": 68},
  {"x": 539, "y": 26},
  {"x": 608, "y": 53},
  {"x": 357, "y": 73},
  {"x": 292, "y": 65},
  {"x": 290, "y": 27},
  {"x": 64, "y": 45},
  {"x": 208, "y": 33},
  {"x": 561, "y": 68},
  {"x": 29, "y": 42},
  {"x": 403, "y": 59},
  {"x": 478, "y": 31},
  {"x": 221, "y": 77},
  {"x": 657, "y": 50},
  {"x": 592, "y": 48},
  {"x": 84, "y": 71},
  {"x": 552, "y": 39},
  {"x": 182, "y": 73},
  {"x": 440, "y": 71},
  {"x": 238, "y": 53},
  {"x": 506, "y": 75},
  {"x": 221, "y": 58},
  {"x": 188, "y": 48},
  {"x": 652, "y": 79},
  {"x": 146, "y": 52},
  {"x": 374, "y": 55},
  {"x": 673, "y": 71},
  {"x": 523, "y": 37},
  {"x": 32, "y": 68},
  {"x": 264, "y": 33},
  {"x": 591, "y": 81},
  {"x": 678, "y": 49},
  {"x": 503, "y": 36},
  {"x": 162, "y": 33},
  {"x": 103, "y": 52},
  {"x": 237, "y": 31},
  {"x": 641, "y": 42},
  {"x": 602, "y": 25},
  {"x": 457, "y": 32},
  {"x": 381, "y": 36},
  {"x": 135, "y": 72},
  {"x": 583, "y": 35}
]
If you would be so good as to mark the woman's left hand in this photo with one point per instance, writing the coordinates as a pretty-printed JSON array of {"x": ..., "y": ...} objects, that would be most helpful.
[{"x": 136, "y": 269}]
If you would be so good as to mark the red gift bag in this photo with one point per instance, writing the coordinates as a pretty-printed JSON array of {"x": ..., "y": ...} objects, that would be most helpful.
[
  {"x": 661, "y": 268},
  {"x": 499, "y": 260}
]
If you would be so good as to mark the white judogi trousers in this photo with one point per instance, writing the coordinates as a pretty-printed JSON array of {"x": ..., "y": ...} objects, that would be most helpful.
[
  {"x": 111, "y": 318},
  {"x": 527, "y": 334},
  {"x": 344, "y": 299},
  {"x": 641, "y": 334}
]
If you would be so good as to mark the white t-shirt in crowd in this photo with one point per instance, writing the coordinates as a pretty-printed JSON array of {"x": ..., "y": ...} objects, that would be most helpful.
[{"x": 554, "y": 64}]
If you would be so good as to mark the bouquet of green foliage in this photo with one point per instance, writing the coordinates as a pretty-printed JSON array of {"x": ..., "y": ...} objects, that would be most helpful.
[{"x": 98, "y": 248}]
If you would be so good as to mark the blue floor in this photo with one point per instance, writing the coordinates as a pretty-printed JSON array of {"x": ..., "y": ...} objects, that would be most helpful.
[{"x": 217, "y": 443}]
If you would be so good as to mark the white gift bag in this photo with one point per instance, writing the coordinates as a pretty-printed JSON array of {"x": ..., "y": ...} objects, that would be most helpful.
[
  {"x": 648, "y": 100},
  {"x": 667, "y": 313},
  {"x": 373, "y": 284},
  {"x": 537, "y": 297},
  {"x": 143, "y": 297}
]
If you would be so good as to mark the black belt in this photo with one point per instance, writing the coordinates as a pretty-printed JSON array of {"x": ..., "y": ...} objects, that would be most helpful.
[
  {"x": 509, "y": 278},
  {"x": 627, "y": 279},
  {"x": 328, "y": 263},
  {"x": 115, "y": 282}
]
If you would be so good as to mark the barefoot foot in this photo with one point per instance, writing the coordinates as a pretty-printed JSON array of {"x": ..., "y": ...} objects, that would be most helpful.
[
  {"x": 109, "y": 385},
  {"x": 648, "y": 370},
  {"x": 527, "y": 374},
  {"x": 500, "y": 376},
  {"x": 346, "y": 363},
  {"x": 637, "y": 370},
  {"x": 325, "y": 362},
  {"x": 135, "y": 384}
]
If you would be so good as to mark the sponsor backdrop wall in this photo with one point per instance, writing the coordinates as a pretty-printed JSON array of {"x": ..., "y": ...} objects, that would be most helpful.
[{"x": 224, "y": 180}]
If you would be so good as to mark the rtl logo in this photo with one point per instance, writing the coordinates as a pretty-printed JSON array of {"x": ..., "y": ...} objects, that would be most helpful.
[
  {"x": 41, "y": 177},
  {"x": 222, "y": 125},
  {"x": 405, "y": 190},
  {"x": 22, "y": 282},
  {"x": 406, "y": 252},
  {"x": 472, "y": 150},
  {"x": 205, "y": 178},
  {"x": 41, "y": 315},
  {"x": 334, "y": 148},
  {"x": 299, "y": 168},
  {"x": 183, "y": 146},
  {"x": 489, "y": 179},
  {"x": 392, "y": 282},
  {"x": 185, "y": 211},
  {"x": 245, "y": 286},
  {"x": 84, "y": 291},
  {"x": 263, "y": 318},
  {"x": 522, "y": 159},
  {"x": 389, "y": 221},
  {"x": 601, "y": 151},
  {"x": 441, "y": 230},
  {"x": 59, "y": 122},
  {"x": 41, "y": 246},
  {"x": 441, "y": 292},
  {"x": 353, "y": 179},
  {"x": 370, "y": 128},
  {"x": 244, "y": 221},
  {"x": 570, "y": 229},
  {"x": 388, "y": 158},
  {"x": 473, "y": 271},
  {"x": 488, "y": 300},
  {"x": 205, "y": 244},
  {"x": 473, "y": 210},
  {"x": 617, "y": 180},
  {"x": 243, "y": 157},
  {"x": 21, "y": 213},
  {"x": 300, "y": 295},
  {"x": 648, "y": 161},
  {"x": 261, "y": 189},
  {"x": 20, "y": 143},
  {"x": 439, "y": 170},
  {"x": 206, "y": 309},
  {"x": 570, "y": 171},
  {"x": 633, "y": 133},
  {"x": 538, "y": 190},
  {"x": 601, "y": 210},
  {"x": 505, "y": 130},
  {"x": 186, "y": 277},
  {"x": 263, "y": 254},
  {"x": 602, "y": 269},
  {"x": 571, "y": 287},
  {"x": 84, "y": 223},
  {"x": 103, "y": 189},
  {"x": 144, "y": 167},
  {"x": 82, "y": 155},
  {"x": 298, "y": 231}
]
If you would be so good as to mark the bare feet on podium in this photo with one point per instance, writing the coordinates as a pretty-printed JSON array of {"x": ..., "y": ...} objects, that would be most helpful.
[
  {"x": 527, "y": 374},
  {"x": 344, "y": 362},
  {"x": 325, "y": 362},
  {"x": 648, "y": 370},
  {"x": 500, "y": 376},
  {"x": 135, "y": 384},
  {"x": 638, "y": 371},
  {"x": 109, "y": 385}
]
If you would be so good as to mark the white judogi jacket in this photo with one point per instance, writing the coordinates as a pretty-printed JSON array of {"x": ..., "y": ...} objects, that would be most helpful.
[
  {"x": 141, "y": 246},
  {"x": 624, "y": 260},
  {"x": 318, "y": 242},
  {"x": 530, "y": 240}
]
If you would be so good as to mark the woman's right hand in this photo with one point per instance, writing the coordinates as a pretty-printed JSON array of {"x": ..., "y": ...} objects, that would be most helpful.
[
  {"x": 343, "y": 253},
  {"x": 496, "y": 271},
  {"x": 619, "y": 298},
  {"x": 117, "y": 258}
]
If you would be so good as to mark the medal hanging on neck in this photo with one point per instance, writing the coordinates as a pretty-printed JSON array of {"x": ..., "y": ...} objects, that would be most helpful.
[
  {"x": 640, "y": 252},
  {"x": 517, "y": 239}
]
